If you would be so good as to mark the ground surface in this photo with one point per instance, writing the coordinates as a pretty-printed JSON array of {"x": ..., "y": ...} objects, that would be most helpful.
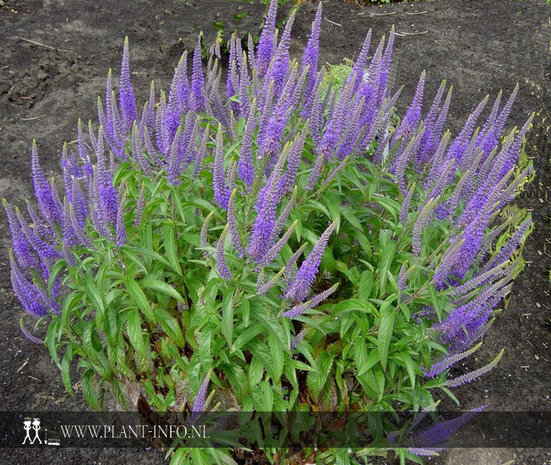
[{"x": 478, "y": 46}]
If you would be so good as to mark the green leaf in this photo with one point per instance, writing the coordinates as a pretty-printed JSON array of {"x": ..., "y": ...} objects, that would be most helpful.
[
  {"x": 93, "y": 293},
  {"x": 51, "y": 341},
  {"x": 171, "y": 249},
  {"x": 372, "y": 360},
  {"x": 134, "y": 326},
  {"x": 54, "y": 272},
  {"x": 348, "y": 213},
  {"x": 66, "y": 370},
  {"x": 277, "y": 359},
  {"x": 250, "y": 333},
  {"x": 88, "y": 390},
  {"x": 170, "y": 326},
  {"x": 140, "y": 299},
  {"x": 161, "y": 286},
  {"x": 436, "y": 302},
  {"x": 316, "y": 379},
  {"x": 365, "y": 286},
  {"x": 386, "y": 259},
  {"x": 365, "y": 244},
  {"x": 227, "y": 319},
  {"x": 386, "y": 327},
  {"x": 256, "y": 370}
]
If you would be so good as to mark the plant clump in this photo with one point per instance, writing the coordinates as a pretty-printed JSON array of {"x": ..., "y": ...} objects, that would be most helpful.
[{"x": 291, "y": 245}]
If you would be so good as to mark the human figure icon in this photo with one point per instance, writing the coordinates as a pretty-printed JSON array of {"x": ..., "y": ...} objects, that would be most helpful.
[
  {"x": 36, "y": 427},
  {"x": 27, "y": 426}
]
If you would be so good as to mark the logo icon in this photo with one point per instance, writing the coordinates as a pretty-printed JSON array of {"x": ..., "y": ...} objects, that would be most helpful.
[{"x": 32, "y": 428}]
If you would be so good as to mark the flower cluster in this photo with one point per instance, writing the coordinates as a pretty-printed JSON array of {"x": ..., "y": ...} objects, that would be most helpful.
[{"x": 244, "y": 172}]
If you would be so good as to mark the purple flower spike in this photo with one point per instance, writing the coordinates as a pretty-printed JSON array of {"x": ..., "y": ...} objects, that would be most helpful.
[
  {"x": 30, "y": 337},
  {"x": 298, "y": 310},
  {"x": 21, "y": 247},
  {"x": 306, "y": 274},
  {"x": 197, "y": 79},
  {"x": 221, "y": 190},
  {"x": 413, "y": 115},
  {"x": 245, "y": 163},
  {"x": 120, "y": 236},
  {"x": 200, "y": 398},
  {"x": 280, "y": 65},
  {"x": 31, "y": 297},
  {"x": 126, "y": 94},
  {"x": 51, "y": 210},
  {"x": 266, "y": 42},
  {"x": 220, "y": 260},
  {"x": 509, "y": 248},
  {"x": 469, "y": 377},
  {"x": 310, "y": 56},
  {"x": 232, "y": 223}
]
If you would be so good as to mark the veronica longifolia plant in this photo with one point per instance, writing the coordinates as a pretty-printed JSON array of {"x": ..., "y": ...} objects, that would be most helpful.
[{"x": 264, "y": 251}]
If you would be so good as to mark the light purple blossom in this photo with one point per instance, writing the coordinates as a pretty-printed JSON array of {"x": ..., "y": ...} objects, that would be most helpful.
[
  {"x": 126, "y": 94},
  {"x": 266, "y": 41},
  {"x": 220, "y": 259},
  {"x": 298, "y": 310},
  {"x": 307, "y": 272},
  {"x": 221, "y": 190}
]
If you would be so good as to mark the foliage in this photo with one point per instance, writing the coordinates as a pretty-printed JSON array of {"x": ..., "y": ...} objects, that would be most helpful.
[{"x": 284, "y": 248}]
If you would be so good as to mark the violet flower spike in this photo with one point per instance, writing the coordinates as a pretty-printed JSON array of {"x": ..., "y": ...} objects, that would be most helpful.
[
  {"x": 306, "y": 274},
  {"x": 51, "y": 210},
  {"x": 298, "y": 310},
  {"x": 405, "y": 205},
  {"x": 310, "y": 55},
  {"x": 203, "y": 235},
  {"x": 201, "y": 397},
  {"x": 245, "y": 162},
  {"x": 220, "y": 259},
  {"x": 120, "y": 227},
  {"x": 30, "y": 337},
  {"x": 469, "y": 377},
  {"x": 126, "y": 94},
  {"x": 31, "y": 297},
  {"x": 272, "y": 253},
  {"x": 138, "y": 211},
  {"x": 21, "y": 247},
  {"x": 221, "y": 190},
  {"x": 197, "y": 79},
  {"x": 266, "y": 42},
  {"x": 232, "y": 224}
]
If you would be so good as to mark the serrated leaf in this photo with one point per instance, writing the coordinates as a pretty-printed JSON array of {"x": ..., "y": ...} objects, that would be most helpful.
[
  {"x": 227, "y": 319},
  {"x": 134, "y": 327},
  {"x": 51, "y": 341},
  {"x": 170, "y": 326},
  {"x": 161, "y": 286},
  {"x": 246, "y": 335},
  {"x": 140, "y": 299},
  {"x": 371, "y": 361},
  {"x": 256, "y": 369},
  {"x": 277, "y": 359},
  {"x": 316, "y": 379},
  {"x": 169, "y": 243},
  {"x": 348, "y": 213},
  {"x": 384, "y": 336},
  {"x": 88, "y": 390},
  {"x": 384, "y": 265},
  {"x": 66, "y": 370}
]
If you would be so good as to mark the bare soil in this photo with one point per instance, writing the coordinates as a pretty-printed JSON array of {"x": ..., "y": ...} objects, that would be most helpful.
[{"x": 53, "y": 62}]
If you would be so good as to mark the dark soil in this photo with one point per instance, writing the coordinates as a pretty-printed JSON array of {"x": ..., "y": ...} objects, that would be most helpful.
[{"x": 53, "y": 63}]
